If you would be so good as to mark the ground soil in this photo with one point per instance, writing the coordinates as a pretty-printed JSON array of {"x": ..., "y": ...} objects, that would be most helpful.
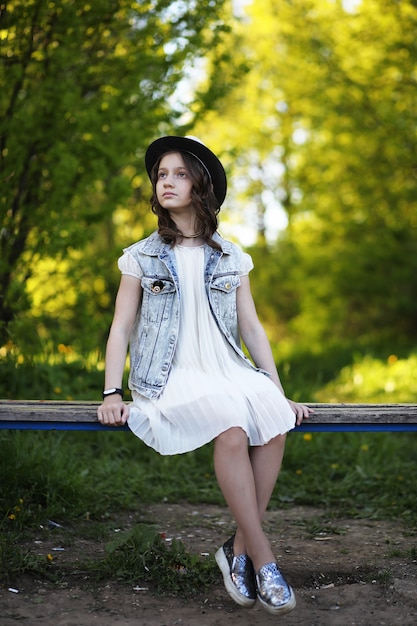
[{"x": 344, "y": 572}]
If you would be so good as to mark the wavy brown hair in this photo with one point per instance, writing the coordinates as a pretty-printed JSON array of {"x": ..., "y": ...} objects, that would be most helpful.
[{"x": 204, "y": 201}]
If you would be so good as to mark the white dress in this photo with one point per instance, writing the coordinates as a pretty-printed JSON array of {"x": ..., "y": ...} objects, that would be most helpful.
[{"x": 210, "y": 388}]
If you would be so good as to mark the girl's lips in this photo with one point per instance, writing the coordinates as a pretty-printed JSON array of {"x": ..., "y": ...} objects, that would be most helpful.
[{"x": 168, "y": 194}]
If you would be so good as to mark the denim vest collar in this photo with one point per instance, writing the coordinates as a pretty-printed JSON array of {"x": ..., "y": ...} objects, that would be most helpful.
[{"x": 154, "y": 245}]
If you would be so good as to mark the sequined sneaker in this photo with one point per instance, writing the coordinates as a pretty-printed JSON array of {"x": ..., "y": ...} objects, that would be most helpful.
[
  {"x": 274, "y": 593},
  {"x": 238, "y": 574}
]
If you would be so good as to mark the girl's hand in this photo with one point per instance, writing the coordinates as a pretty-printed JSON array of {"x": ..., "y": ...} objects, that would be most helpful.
[
  {"x": 301, "y": 411},
  {"x": 113, "y": 411}
]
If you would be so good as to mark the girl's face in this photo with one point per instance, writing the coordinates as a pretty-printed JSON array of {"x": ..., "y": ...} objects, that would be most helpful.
[{"x": 174, "y": 184}]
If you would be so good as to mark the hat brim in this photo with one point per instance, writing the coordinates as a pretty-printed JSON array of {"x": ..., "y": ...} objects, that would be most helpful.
[{"x": 197, "y": 149}]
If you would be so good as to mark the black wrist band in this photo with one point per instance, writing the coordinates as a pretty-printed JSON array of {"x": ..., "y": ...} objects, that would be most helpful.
[{"x": 111, "y": 392}]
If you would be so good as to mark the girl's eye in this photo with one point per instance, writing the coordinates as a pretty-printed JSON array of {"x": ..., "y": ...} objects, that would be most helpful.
[{"x": 180, "y": 174}]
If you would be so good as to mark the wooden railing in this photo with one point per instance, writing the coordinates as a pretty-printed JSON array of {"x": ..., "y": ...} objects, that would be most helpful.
[{"x": 66, "y": 415}]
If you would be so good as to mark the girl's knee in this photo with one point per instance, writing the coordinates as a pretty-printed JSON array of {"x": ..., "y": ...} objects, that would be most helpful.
[{"x": 232, "y": 439}]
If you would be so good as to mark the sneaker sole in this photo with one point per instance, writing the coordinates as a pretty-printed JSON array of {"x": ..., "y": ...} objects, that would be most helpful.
[
  {"x": 230, "y": 588},
  {"x": 279, "y": 610}
]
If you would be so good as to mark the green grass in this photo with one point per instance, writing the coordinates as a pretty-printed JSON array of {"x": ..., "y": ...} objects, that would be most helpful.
[
  {"x": 142, "y": 554},
  {"x": 69, "y": 477},
  {"x": 77, "y": 475},
  {"x": 357, "y": 474}
]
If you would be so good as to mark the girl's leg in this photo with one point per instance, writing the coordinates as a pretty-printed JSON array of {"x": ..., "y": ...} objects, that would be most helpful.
[
  {"x": 247, "y": 483},
  {"x": 266, "y": 463}
]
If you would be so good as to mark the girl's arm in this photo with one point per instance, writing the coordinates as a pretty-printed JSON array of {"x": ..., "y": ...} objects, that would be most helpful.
[
  {"x": 113, "y": 411},
  {"x": 256, "y": 341}
]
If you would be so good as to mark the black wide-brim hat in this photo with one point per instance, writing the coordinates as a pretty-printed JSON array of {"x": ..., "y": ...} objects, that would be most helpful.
[{"x": 197, "y": 149}]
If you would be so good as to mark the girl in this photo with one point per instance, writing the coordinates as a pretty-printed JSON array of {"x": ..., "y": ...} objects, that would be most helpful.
[{"x": 184, "y": 301}]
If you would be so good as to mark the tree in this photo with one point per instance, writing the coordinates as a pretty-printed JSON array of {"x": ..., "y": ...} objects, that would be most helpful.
[
  {"x": 328, "y": 111},
  {"x": 83, "y": 88}
]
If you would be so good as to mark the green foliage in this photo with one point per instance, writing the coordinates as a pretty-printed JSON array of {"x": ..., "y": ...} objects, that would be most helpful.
[
  {"x": 83, "y": 89},
  {"x": 373, "y": 380},
  {"x": 339, "y": 375},
  {"x": 142, "y": 555},
  {"x": 323, "y": 125},
  {"x": 37, "y": 379},
  {"x": 312, "y": 111}
]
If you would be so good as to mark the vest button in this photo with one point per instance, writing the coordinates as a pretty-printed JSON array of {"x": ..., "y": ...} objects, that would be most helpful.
[{"x": 157, "y": 286}]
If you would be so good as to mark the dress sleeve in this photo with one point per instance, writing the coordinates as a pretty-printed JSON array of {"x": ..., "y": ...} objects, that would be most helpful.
[
  {"x": 246, "y": 264},
  {"x": 128, "y": 265}
]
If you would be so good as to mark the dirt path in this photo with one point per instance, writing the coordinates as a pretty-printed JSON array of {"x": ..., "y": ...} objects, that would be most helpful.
[{"x": 344, "y": 572}]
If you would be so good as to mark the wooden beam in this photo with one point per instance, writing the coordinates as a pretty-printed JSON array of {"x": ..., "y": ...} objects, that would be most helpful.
[{"x": 67, "y": 415}]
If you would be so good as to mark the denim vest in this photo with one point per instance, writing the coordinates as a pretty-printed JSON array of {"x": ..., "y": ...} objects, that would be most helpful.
[{"x": 155, "y": 330}]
